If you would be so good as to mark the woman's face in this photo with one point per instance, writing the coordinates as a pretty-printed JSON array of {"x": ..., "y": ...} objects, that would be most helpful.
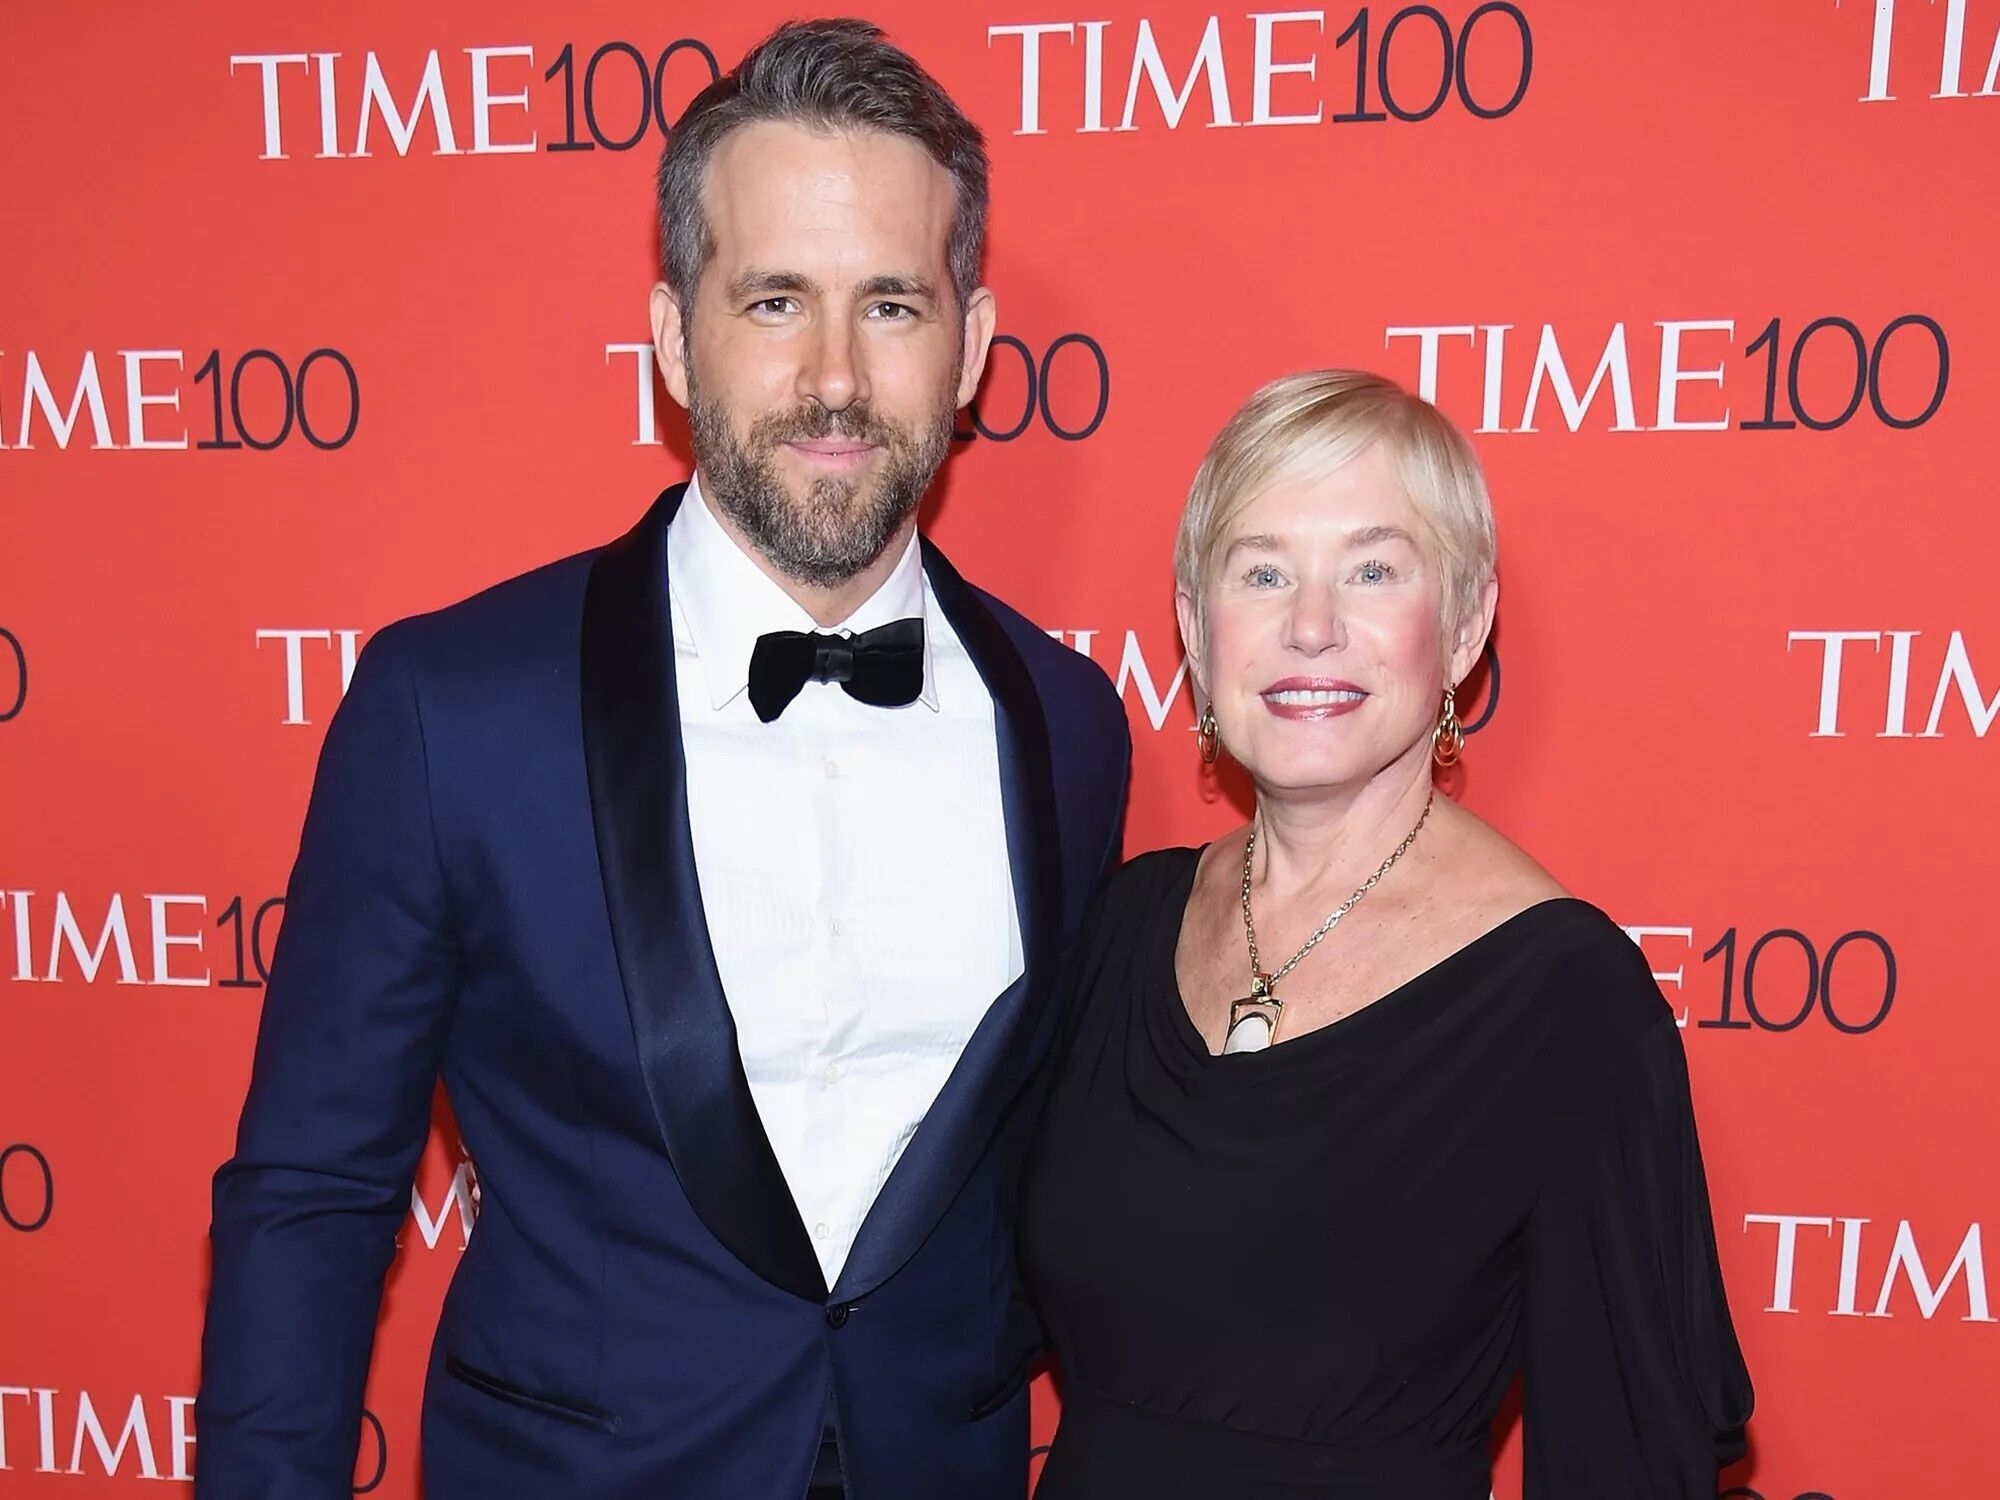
[{"x": 1324, "y": 652}]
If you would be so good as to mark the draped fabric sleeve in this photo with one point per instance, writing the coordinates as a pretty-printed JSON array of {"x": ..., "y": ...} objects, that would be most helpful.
[{"x": 1634, "y": 1384}]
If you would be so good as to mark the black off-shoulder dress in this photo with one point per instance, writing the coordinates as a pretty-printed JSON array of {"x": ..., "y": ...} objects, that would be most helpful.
[{"x": 1314, "y": 1271}]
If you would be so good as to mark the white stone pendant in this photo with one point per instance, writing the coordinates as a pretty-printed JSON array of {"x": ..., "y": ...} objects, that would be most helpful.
[{"x": 1253, "y": 1024}]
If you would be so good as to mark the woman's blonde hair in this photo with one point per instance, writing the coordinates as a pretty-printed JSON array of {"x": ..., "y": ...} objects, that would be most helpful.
[{"x": 1314, "y": 422}]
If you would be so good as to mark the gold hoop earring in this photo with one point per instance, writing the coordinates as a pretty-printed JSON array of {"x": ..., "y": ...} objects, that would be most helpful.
[
  {"x": 1448, "y": 738},
  {"x": 1208, "y": 736}
]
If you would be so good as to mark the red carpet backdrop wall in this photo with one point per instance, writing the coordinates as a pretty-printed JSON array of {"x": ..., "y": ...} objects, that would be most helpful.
[{"x": 316, "y": 316}]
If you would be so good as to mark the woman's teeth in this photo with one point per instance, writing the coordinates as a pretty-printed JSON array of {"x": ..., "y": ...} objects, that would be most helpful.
[{"x": 1315, "y": 697}]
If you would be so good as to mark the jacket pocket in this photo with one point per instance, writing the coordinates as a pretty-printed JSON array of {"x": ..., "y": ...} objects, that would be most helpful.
[
  {"x": 562, "y": 1408},
  {"x": 1008, "y": 1389},
  {"x": 999, "y": 1398}
]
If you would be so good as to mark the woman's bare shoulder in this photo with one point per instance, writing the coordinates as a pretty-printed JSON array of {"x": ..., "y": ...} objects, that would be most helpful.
[{"x": 1488, "y": 875}]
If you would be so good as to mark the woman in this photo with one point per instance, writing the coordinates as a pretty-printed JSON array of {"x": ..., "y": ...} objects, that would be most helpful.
[{"x": 1358, "y": 1113}]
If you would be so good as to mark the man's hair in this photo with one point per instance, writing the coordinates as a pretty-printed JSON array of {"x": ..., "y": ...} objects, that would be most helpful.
[{"x": 827, "y": 76}]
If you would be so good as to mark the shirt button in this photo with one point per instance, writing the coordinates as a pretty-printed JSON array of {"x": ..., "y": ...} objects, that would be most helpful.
[
  {"x": 832, "y": 1074},
  {"x": 836, "y": 1315},
  {"x": 833, "y": 926},
  {"x": 832, "y": 770},
  {"x": 820, "y": 1231}
]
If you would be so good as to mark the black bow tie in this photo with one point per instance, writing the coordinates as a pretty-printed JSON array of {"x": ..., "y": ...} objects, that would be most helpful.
[{"x": 883, "y": 666}]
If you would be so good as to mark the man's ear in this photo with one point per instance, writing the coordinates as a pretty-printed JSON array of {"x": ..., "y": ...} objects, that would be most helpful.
[
  {"x": 980, "y": 321},
  {"x": 670, "y": 342}
]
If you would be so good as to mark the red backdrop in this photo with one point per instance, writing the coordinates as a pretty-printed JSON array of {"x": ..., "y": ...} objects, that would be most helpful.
[{"x": 312, "y": 317}]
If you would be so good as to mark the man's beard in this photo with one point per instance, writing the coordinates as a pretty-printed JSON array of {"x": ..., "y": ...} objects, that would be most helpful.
[{"x": 840, "y": 526}]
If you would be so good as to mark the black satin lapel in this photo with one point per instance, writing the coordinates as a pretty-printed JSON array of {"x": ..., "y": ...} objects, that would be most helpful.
[
  {"x": 996, "y": 1062},
  {"x": 1027, "y": 777},
  {"x": 680, "y": 1017}
]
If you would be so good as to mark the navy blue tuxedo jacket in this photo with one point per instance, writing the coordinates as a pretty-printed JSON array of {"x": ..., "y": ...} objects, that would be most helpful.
[{"x": 496, "y": 885}]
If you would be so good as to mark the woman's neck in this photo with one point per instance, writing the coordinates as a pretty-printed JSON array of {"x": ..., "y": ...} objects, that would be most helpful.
[{"x": 1338, "y": 835}]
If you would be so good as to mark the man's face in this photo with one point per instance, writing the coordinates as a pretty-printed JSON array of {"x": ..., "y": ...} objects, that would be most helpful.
[{"x": 825, "y": 352}]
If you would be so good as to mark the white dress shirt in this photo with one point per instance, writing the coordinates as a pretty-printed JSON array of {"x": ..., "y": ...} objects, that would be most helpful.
[{"x": 853, "y": 868}]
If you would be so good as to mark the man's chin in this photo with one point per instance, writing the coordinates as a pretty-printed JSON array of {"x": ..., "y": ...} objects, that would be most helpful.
[{"x": 838, "y": 500}]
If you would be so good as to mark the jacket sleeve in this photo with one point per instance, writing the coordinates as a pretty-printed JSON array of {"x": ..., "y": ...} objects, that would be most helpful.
[
  {"x": 1114, "y": 845},
  {"x": 306, "y": 1212}
]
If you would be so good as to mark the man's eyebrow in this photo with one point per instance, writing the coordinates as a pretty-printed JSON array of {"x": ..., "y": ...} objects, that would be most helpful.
[
  {"x": 756, "y": 283},
  {"x": 900, "y": 286}
]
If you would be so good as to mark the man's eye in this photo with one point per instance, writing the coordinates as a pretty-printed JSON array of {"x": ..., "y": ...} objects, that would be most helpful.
[
  {"x": 772, "y": 306},
  {"x": 891, "y": 312}
]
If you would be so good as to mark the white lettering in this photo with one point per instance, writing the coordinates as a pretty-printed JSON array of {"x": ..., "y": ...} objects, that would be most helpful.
[
  {"x": 1031, "y": 67},
  {"x": 376, "y": 99},
  {"x": 1132, "y": 668},
  {"x": 45, "y": 1401},
  {"x": 642, "y": 355},
  {"x": 1496, "y": 356},
  {"x": 87, "y": 1425},
  {"x": 1954, "y": 52},
  {"x": 295, "y": 682},
  {"x": 1850, "y": 1267},
  {"x": 1896, "y": 712},
  {"x": 463, "y": 1194},
  {"x": 180, "y": 1436},
  {"x": 349, "y": 650},
  {"x": 1147, "y": 63},
  {"x": 1093, "y": 78},
  {"x": 1263, "y": 69},
  {"x": 1427, "y": 351},
  {"x": 5, "y": 1391},
  {"x": 1788, "y": 1238},
  {"x": 1958, "y": 673},
  {"x": 35, "y": 391},
  {"x": 136, "y": 399},
  {"x": 1951, "y": 83},
  {"x": 483, "y": 100},
  {"x": 1677, "y": 977},
  {"x": 1672, "y": 376},
  {"x": 1969, "y": 1259},
  {"x": 329, "y": 119},
  {"x": 1829, "y": 675},
  {"x": 268, "y": 64},
  {"x": 23, "y": 959},
  {"x": 163, "y": 939},
  {"x": 1549, "y": 362},
  {"x": 114, "y": 933}
]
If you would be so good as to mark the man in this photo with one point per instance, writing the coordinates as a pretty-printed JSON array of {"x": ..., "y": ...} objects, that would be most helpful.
[{"x": 723, "y": 875}]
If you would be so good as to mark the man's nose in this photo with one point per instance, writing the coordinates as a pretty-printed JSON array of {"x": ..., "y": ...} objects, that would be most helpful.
[{"x": 833, "y": 372}]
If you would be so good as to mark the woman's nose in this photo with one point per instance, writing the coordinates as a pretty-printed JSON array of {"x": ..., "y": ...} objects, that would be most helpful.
[{"x": 1315, "y": 624}]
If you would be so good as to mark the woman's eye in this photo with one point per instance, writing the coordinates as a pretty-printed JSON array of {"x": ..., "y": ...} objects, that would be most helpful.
[
  {"x": 1263, "y": 576},
  {"x": 1374, "y": 572}
]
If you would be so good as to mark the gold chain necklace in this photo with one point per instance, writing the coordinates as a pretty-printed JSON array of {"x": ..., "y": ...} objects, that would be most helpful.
[{"x": 1253, "y": 1020}]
